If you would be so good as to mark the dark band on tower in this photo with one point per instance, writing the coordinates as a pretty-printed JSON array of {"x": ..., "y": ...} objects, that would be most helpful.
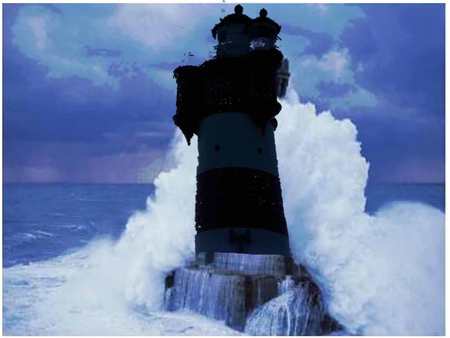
[{"x": 230, "y": 103}]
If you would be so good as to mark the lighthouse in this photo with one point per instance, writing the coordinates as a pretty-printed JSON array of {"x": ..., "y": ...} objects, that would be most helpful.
[
  {"x": 230, "y": 103},
  {"x": 243, "y": 273}
]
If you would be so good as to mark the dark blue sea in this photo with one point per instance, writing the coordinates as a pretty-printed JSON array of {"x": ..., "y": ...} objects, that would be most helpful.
[{"x": 41, "y": 221}]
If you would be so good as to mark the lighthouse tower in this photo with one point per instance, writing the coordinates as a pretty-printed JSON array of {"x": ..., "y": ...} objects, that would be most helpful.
[{"x": 230, "y": 103}]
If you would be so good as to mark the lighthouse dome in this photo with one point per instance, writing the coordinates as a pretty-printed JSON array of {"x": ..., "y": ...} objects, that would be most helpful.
[{"x": 232, "y": 34}]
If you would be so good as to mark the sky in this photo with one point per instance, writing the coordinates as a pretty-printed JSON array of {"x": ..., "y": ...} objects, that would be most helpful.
[{"x": 88, "y": 92}]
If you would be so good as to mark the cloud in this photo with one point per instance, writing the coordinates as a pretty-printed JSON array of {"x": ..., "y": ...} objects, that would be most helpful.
[
  {"x": 159, "y": 27},
  {"x": 86, "y": 41},
  {"x": 319, "y": 18},
  {"x": 47, "y": 37},
  {"x": 110, "y": 43},
  {"x": 357, "y": 97},
  {"x": 37, "y": 27},
  {"x": 316, "y": 76},
  {"x": 311, "y": 39},
  {"x": 317, "y": 43},
  {"x": 334, "y": 63},
  {"x": 92, "y": 45},
  {"x": 83, "y": 162}
]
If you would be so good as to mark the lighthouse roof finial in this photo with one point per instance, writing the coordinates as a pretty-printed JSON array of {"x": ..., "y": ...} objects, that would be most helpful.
[
  {"x": 265, "y": 25},
  {"x": 263, "y": 13},
  {"x": 238, "y": 17}
]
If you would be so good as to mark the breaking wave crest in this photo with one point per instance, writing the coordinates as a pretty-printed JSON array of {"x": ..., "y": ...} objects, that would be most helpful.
[{"x": 381, "y": 274}]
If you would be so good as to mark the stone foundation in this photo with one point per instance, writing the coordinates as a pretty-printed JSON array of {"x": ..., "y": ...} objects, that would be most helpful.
[{"x": 258, "y": 294}]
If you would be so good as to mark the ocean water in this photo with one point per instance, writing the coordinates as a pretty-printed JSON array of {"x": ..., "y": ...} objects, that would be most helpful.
[
  {"x": 91, "y": 259},
  {"x": 43, "y": 221}
]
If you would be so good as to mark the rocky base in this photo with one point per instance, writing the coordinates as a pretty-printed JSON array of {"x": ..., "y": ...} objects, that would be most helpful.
[{"x": 257, "y": 294}]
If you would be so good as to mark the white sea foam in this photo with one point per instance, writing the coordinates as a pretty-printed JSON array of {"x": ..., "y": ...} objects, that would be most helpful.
[
  {"x": 381, "y": 274},
  {"x": 71, "y": 295}
]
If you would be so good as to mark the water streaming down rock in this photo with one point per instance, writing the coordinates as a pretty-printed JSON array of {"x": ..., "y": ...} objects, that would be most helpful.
[
  {"x": 252, "y": 264},
  {"x": 244, "y": 290},
  {"x": 214, "y": 295},
  {"x": 297, "y": 312}
]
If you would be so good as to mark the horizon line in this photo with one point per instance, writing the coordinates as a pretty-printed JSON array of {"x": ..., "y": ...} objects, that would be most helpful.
[{"x": 146, "y": 183}]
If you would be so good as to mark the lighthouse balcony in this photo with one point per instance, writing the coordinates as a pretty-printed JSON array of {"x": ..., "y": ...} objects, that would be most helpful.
[{"x": 247, "y": 84}]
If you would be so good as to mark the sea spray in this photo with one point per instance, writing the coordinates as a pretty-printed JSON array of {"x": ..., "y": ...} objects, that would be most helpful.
[
  {"x": 155, "y": 240},
  {"x": 296, "y": 312},
  {"x": 161, "y": 238},
  {"x": 380, "y": 275}
]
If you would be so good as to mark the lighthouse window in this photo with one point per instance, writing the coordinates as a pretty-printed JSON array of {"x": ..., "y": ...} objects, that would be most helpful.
[
  {"x": 217, "y": 147},
  {"x": 259, "y": 150}
]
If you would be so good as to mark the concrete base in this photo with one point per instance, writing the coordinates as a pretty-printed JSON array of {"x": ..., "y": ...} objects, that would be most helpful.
[{"x": 258, "y": 294}]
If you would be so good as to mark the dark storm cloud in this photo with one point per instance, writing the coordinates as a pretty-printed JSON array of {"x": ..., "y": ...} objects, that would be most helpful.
[
  {"x": 401, "y": 53},
  {"x": 72, "y": 109},
  {"x": 402, "y": 151}
]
